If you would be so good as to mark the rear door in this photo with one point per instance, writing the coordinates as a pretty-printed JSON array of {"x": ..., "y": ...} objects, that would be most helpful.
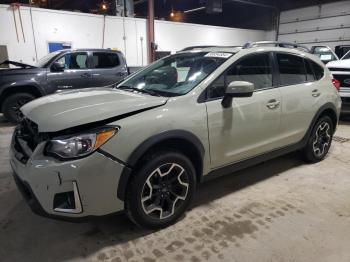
[
  {"x": 300, "y": 95},
  {"x": 76, "y": 72},
  {"x": 107, "y": 68},
  {"x": 251, "y": 125}
]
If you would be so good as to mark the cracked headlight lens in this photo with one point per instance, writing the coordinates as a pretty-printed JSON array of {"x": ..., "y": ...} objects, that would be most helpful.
[{"x": 79, "y": 145}]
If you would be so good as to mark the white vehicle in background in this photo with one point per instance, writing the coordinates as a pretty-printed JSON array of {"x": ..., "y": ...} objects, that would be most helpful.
[
  {"x": 325, "y": 53},
  {"x": 341, "y": 73}
]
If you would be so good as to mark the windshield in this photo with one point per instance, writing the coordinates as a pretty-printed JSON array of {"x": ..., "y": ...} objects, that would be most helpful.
[
  {"x": 176, "y": 74},
  {"x": 324, "y": 53},
  {"x": 44, "y": 60},
  {"x": 346, "y": 56}
]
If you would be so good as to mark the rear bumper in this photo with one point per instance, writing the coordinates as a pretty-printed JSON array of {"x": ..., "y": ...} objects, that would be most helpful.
[{"x": 91, "y": 183}]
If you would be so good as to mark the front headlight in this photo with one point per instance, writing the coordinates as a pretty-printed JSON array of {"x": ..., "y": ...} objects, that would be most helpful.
[{"x": 79, "y": 145}]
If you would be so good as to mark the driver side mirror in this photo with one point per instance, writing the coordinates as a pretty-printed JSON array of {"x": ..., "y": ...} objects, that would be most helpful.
[
  {"x": 237, "y": 89},
  {"x": 57, "y": 67}
]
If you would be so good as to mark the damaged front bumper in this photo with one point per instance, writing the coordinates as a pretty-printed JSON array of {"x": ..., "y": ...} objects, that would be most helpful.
[{"x": 73, "y": 189}]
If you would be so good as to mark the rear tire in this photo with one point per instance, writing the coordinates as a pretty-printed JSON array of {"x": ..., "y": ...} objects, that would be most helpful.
[
  {"x": 13, "y": 103},
  {"x": 320, "y": 140},
  {"x": 161, "y": 190}
]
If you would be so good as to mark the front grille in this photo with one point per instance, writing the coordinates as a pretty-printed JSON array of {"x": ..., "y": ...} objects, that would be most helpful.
[
  {"x": 339, "y": 69},
  {"x": 26, "y": 139},
  {"x": 28, "y": 131},
  {"x": 343, "y": 79}
]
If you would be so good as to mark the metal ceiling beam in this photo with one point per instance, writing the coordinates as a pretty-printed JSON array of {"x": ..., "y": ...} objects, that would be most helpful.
[
  {"x": 252, "y": 3},
  {"x": 194, "y": 10}
]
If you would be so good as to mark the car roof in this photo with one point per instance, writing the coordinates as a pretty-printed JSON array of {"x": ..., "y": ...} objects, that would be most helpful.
[
  {"x": 247, "y": 50},
  {"x": 231, "y": 49},
  {"x": 89, "y": 50},
  {"x": 255, "y": 49}
]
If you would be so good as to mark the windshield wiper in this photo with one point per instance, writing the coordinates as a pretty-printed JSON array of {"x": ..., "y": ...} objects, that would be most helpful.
[{"x": 145, "y": 91}]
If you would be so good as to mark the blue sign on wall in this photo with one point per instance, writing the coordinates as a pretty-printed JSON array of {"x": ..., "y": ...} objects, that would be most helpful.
[{"x": 58, "y": 46}]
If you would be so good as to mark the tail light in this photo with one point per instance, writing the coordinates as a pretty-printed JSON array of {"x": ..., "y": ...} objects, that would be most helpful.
[{"x": 336, "y": 83}]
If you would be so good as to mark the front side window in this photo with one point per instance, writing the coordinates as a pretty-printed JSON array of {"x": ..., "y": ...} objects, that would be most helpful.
[
  {"x": 74, "y": 60},
  {"x": 291, "y": 69},
  {"x": 255, "y": 69},
  {"x": 105, "y": 60},
  {"x": 176, "y": 74}
]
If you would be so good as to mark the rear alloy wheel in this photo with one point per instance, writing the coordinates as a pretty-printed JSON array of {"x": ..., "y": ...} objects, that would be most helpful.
[
  {"x": 161, "y": 191},
  {"x": 320, "y": 140},
  {"x": 13, "y": 103}
]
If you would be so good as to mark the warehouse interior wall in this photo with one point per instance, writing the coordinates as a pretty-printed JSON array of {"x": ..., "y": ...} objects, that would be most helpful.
[
  {"x": 326, "y": 24},
  {"x": 42, "y": 26}
]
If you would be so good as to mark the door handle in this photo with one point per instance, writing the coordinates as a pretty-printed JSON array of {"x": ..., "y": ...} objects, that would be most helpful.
[
  {"x": 85, "y": 75},
  {"x": 272, "y": 104},
  {"x": 315, "y": 93},
  {"x": 120, "y": 74}
]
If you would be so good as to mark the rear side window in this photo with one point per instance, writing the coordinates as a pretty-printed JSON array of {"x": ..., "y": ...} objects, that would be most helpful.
[
  {"x": 319, "y": 71},
  {"x": 105, "y": 60},
  {"x": 309, "y": 72},
  {"x": 291, "y": 69}
]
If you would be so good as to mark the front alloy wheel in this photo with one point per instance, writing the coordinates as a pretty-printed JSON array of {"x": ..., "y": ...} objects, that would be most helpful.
[
  {"x": 161, "y": 190},
  {"x": 164, "y": 190}
]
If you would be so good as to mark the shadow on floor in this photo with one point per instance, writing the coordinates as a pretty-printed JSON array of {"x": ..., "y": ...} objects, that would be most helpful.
[
  {"x": 4, "y": 122},
  {"x": 25, "y": 236},
  {"x": 344, "y": 119}
]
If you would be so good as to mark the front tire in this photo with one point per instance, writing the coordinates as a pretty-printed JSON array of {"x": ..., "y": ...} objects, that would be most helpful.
[
  {"x": 161, "y": 190},
  {"x": 13, "y": 103},
  {"x": 320, "y": 140}
]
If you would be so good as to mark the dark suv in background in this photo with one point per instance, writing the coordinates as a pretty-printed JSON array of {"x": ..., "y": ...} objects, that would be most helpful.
[{"x": 57, "y": 71}]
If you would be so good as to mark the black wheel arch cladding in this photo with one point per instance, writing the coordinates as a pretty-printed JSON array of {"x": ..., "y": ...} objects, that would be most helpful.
[{"x": 151, "y": 142}]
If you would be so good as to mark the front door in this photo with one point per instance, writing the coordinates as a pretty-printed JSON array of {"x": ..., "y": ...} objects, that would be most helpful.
[
  {"x": 76, "y": 72},
  {"x": 251, "y": 125}
]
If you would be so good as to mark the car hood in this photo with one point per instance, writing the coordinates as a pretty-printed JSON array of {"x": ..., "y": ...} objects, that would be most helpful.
[
  {"x": 19, "y": 64},
  {"x": 340, "y": 63},
  {"x": 16, "y": 72},
  {"x": 74, "y": 108}
]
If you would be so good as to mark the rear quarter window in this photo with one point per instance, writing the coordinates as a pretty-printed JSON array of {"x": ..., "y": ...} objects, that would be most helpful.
[
  {"x": 318, "y": 70},
  {"x": 310, "y": 76}
]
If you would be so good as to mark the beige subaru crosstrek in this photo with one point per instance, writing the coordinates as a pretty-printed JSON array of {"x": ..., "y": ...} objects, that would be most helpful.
[{"x": 144, "y": 145}]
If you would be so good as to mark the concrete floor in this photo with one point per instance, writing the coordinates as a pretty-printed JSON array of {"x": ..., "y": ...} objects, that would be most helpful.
[{"x": 281, "y": 210}]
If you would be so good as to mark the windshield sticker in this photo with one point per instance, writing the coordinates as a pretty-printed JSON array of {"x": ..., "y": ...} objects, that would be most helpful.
[
  {"x": 326, "y": 57},
  {"x": 219, "y": 55}
]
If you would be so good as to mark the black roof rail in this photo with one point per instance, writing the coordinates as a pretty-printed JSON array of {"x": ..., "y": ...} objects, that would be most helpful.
[
  {"x": 207, "y": 46},
  {"x": 276, "y": 43}
]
